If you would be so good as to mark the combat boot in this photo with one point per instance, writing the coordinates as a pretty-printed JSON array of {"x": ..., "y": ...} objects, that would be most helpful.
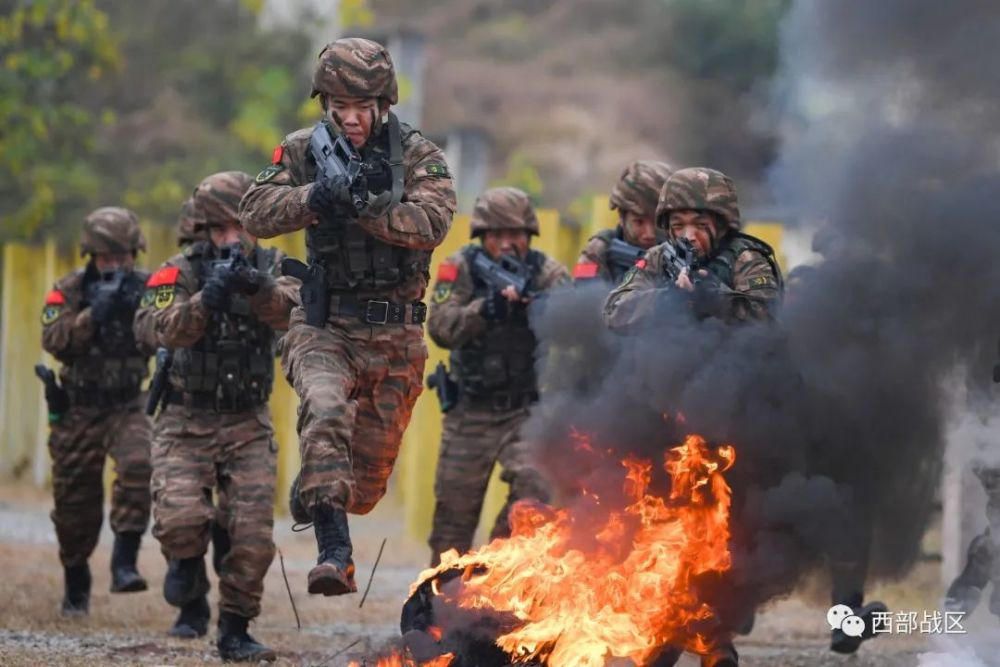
[
  {"x": 125, "y": 578},
  {"x": 295, "y": 507},
  {"x": 964, "y": 593},
  {"x": 334, "y": 571},
  {"x": 76, "y": 601},
  {"x": 186, "y": 581},
  {"x": 841, "y": 642},
  {"x": 192, "y": 622},
  {"x": 236, "y": 645}
]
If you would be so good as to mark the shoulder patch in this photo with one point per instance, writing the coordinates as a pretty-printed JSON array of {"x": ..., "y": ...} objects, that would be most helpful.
[
  {"x": 437, "y": 169},
  {"x": 447, "y": 272},
  {"x": 441, "y": 292},
  {"x": 51, "y": 313},
  {"x": 165, "y": 276},
  {"x": 762, "y": 282},
  {"x": 279, "y": 152},
  {"x": 55, "y": 298},
  {"x": 585, "y": 270},
  {"x": 640, "y": 263},
  {"x": 269, "y": 172}
]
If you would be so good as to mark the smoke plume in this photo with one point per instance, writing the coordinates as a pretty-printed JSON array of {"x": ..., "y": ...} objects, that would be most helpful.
[{"x": 839, "y": 409}]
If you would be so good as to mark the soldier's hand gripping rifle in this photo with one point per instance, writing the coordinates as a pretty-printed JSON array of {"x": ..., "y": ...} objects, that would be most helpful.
[
  {"x": 446, "y": 388},
  {"x": 506, "y": 272},
  {"x": 114, "y": 296},
  {"x": 159, "y": 388},
  {"x": 679, "y": 257},
  {"x": 336, "y": 159},
  {"x": 623, "y": 254},
  {"x": 233, "y": 269},
  {"x": 56, "y": 397}
]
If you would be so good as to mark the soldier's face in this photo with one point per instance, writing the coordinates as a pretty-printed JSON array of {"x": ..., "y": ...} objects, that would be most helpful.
[
  {"x": 230, "y": 233},
  {"x": 697, "y": 227},
  {"x": 354, "y": 116},
  {"x": 639, "y": 229},
  {"x": 106, "y": 261},
  {"x": 506, "y": 242}
]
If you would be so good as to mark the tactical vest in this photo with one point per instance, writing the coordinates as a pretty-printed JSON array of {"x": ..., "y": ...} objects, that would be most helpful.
[
  {"x": 499, "y": 365},
  {"x": 735, "y": 243},
  {"x": 354, "y": 259},
  {"x": 112, "y": 371},
  {"x": 231, "y": 368}
]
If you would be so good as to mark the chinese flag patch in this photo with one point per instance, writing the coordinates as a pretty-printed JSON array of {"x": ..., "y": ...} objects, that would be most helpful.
[
  {"x": 279, "y": 152},
  {"x": 641, "y": 263},
  {"x": 447, "y": 273},
  {"x": 585, "y": 270},
  {"x": 55, "y": 298},
  {"x": 165, "y": 276}
]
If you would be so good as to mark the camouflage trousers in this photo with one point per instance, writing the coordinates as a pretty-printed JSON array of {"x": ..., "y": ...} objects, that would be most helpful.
[
  {"x": 195, "y": 451},
  {"x": 474, "y": 439},
  {"x": 357, "y": 385},
  {"x": 78, "y": 446}
]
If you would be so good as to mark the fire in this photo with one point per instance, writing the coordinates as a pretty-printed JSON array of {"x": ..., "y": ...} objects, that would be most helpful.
[
  {"x": 397, "y": 660},
  {"x": 625, "y": 591}
]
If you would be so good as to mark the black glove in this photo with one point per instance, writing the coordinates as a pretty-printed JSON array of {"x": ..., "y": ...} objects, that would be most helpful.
[
  {"x": 495, "y": 306},
  {"x": 246, "y": 281},
  {"x": 330, "y": 195},
  {"x": 215, "y": 295},
  {"x": 103, "y": 308}
]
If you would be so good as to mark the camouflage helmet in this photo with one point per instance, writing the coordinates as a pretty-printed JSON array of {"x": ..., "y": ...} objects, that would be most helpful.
[
  {"x": 503, "y": 208},
  {"x": 190, "y": 224},
  {"x": 111, "y": 230},
  {"x": 355, "y": 67},
  {"x": 700, "y": 189},
  {"x": 638, "y": 188},
  {"x": 217, "y": 198}
]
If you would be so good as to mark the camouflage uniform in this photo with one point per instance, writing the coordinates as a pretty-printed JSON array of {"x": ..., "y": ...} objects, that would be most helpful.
[
  {"x": 748, "y": 281},
  {"x": 358, "y": 376},
  {"x": 493, "y": 362},
  {"x": 215, "y": 429},
  {"x": 103, "y": 369},
  {"x": 637, "y": 191}
]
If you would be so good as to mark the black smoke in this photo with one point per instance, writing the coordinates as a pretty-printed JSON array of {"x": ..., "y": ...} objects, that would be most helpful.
[{"x": 839, "y": 409}]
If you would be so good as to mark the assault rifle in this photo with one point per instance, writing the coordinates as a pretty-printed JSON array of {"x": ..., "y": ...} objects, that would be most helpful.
[
  {"x": 337, "y": 157},
  {"x": 623, "y": 254},
  {"x": 505, "y": 272}
]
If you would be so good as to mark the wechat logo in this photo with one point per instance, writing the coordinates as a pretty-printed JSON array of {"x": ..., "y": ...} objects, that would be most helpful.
[{"x": 841, "y": 617}]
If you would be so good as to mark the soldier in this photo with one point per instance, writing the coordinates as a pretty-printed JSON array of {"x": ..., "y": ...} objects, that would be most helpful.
[
  {"x": 355, "y": 354},
  {"x": 190, "y": 225},
  {"x": 736, "y": 276},
  {"x": 87, "y": 323},
  {"x": 634, "y": 196},
  {"x": 217, "y": 306},
  {"x": 731, "y": 276},
  {"x": 493, "y": 359}
]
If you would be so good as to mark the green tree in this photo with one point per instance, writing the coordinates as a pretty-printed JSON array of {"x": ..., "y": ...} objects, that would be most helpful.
[{"x": 52, "y": 54}]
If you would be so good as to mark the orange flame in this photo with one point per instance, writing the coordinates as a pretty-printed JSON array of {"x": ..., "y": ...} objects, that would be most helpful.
[
  {"x": 397, "y": 660},
  {"x": 627, "y": 596}
]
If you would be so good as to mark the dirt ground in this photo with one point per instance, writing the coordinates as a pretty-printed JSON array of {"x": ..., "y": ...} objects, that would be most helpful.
[{"x": 129, "y": 629}]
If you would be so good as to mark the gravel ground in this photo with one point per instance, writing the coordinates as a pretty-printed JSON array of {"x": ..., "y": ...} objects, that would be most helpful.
[{"x": 129, "y": 629}]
